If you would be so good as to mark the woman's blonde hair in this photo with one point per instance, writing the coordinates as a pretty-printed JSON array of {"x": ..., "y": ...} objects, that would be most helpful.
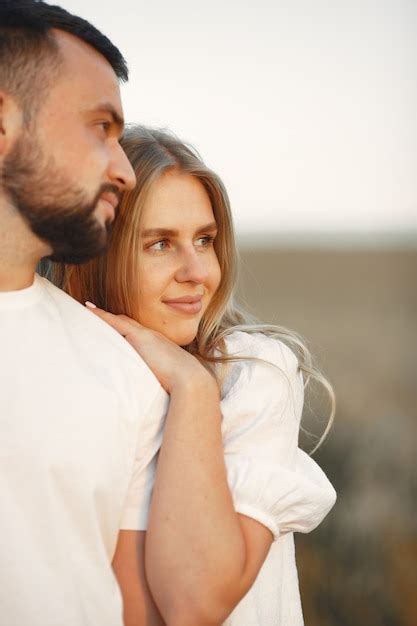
[{"x": 111, "y": 281}]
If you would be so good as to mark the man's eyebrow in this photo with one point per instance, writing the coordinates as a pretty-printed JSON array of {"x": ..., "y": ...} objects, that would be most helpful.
[
  {"x": 117, "y": 119},
  {"x": 168, "y": 232}
]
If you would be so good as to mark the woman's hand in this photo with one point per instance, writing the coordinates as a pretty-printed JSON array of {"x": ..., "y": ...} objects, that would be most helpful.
[
  {"x": 173, "y": 366},
  {"x": 199, "y": 564}
]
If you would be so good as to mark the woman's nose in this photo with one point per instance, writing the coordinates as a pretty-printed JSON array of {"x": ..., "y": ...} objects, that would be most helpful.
[{"x": 193, "y": 267}]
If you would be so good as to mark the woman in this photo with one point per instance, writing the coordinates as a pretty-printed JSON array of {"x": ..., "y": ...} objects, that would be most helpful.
[{"x": 230, "y": 485}]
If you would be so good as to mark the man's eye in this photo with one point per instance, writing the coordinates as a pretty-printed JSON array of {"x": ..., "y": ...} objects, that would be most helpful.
[{"x": 104, "y": 125}]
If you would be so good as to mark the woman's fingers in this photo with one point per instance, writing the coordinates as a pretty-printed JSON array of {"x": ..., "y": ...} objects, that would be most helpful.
[{"x": 170, "y": 364}]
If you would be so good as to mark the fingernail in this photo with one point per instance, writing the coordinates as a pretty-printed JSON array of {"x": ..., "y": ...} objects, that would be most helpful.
[{"x": 90, "y": 305}]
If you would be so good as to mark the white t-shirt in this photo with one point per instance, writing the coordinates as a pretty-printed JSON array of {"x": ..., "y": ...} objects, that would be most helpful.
[
  {"x": 80, "y": 415},
  {"x": 271, "y": 479}
]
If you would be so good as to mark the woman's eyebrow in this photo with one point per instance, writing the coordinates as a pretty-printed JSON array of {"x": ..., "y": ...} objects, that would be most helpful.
[
  {"x": 168, "y": 232},
  {"x": 159, "y": 232},
  {"x": 207, "y": 228}
]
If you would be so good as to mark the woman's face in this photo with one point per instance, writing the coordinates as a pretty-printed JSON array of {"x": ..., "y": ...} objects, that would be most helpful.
[{"x": 179, "y": 270}]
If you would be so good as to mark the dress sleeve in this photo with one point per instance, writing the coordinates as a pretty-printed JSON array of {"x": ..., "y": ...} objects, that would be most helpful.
[
  {"x": 271, "y": 479},
  {"x": 137, "y": 504}
]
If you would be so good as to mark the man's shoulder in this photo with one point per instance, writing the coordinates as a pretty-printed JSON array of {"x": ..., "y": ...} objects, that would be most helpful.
[
  {"x": 80, "y": 323},
  {"x": 93, "y": 351}
]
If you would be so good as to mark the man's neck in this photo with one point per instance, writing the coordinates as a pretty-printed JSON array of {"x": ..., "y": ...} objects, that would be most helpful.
[
  {"x": 14, "y": 279},
  {"x": 20, "y": 250}
]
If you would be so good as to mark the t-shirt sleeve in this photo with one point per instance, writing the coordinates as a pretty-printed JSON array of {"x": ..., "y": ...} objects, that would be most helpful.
[
  {"x": 270, "y": 478},
  {"x": 137, "y": 504}
]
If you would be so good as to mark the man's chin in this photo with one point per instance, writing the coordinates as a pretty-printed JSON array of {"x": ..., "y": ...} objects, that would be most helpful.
[
  {"x": 76, "y": 254},
  {"x": 74, "y": 257}
]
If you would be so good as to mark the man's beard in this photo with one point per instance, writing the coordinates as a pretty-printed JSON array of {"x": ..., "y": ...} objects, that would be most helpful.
[{"x": 55, "y": 209}]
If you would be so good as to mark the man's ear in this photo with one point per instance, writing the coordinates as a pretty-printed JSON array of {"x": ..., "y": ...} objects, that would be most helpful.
[{"x": 11, "y": 119}]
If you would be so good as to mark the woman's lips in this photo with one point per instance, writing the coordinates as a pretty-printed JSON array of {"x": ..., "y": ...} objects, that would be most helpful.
[{"x": 187, "y": 304}]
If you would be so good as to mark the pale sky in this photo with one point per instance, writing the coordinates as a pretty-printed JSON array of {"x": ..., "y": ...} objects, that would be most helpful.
[{"x": 306, "y": 108}]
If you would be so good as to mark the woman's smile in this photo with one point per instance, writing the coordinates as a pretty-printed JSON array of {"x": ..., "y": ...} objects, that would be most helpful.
[{"x": 191, "y": 305}]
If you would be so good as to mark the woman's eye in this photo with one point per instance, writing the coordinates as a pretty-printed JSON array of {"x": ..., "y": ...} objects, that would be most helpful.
[
  {"x": 159, "y": 246},
  {"x": 205, "y": 241}
]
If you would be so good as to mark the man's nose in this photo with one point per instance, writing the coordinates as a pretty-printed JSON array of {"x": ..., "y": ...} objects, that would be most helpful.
[{"x": 121, "y": 172}]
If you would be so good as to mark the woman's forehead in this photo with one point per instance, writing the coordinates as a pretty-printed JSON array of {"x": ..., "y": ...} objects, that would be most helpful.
[{"x": 175, "y": 200}]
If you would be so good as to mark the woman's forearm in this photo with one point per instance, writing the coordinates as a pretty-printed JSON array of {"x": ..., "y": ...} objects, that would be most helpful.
[
  {"x": 129, "y": 567},
  {"x": 201, "y": 557},
  {"x": 196, "y": 554}
]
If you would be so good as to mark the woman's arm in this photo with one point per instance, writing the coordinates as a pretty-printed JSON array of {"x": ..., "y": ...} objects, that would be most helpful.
[
  {"x": 139, "y": 608},
  {"x": 201, "y": 556}
]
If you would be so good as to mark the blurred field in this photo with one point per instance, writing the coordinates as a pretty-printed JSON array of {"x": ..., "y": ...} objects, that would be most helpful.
[{"x": 358, "y": 311}]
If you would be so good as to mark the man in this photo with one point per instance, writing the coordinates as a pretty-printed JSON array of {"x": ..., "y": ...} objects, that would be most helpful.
[{"x": 76, "y": 401}]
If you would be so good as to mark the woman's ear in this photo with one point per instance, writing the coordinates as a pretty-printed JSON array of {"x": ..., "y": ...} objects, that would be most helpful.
[{"x": 11, "y": 119}]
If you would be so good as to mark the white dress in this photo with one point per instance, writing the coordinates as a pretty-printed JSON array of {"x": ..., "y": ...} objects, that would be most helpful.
[{"x": 270, "y": 478}]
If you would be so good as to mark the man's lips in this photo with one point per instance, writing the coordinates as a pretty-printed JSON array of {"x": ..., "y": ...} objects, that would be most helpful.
[
  {"x": 112, "y": 201},
  {"x": 186, "y": 304}
]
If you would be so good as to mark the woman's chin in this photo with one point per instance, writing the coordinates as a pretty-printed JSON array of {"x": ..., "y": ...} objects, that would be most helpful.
[
  {"x": 180, "y": 338},
  {"x": 184, "y": 341}
]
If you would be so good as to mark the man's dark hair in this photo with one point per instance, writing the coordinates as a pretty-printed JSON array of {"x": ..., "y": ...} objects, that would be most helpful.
[{"x": 29, "y": 54}]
